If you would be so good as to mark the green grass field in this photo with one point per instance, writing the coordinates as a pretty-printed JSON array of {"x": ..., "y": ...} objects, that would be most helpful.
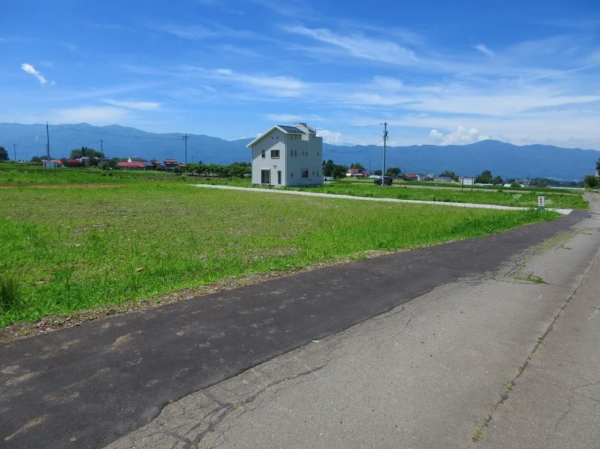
[{"x": 69, "y": 248}]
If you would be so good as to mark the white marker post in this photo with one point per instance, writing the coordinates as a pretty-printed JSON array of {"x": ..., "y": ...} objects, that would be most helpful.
[{"x": 541, "y": 202}]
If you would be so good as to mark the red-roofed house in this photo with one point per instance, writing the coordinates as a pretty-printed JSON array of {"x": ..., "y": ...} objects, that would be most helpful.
[
  {"x": 74, "y": 163},
  {"x": 132, "y": 165},
  {"x": 170, "y": 164},
  {"x": 412, "y": 177}
]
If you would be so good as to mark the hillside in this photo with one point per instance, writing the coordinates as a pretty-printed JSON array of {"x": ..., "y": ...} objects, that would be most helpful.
[{"x": 502, "y": 158}]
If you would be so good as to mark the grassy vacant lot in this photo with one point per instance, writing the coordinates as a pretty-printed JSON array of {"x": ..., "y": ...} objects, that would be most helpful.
[
  {"x": 28, "y": 175},
  {"x": 71, "y": 248},
  {"x": 520, "y": 199}
]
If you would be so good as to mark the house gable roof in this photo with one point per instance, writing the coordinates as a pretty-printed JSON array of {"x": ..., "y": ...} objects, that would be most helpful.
[{"x": 283, "y": 128}]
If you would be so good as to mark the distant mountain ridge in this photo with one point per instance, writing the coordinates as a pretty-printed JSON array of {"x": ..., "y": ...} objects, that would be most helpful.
[{"x": 504, "y": 159}]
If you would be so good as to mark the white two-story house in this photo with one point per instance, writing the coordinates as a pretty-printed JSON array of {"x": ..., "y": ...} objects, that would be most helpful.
[{"x": 288, "y": 156}]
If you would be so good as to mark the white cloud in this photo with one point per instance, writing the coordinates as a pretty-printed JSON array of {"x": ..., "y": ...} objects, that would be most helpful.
[
  {"x": 139, "y": 105},
  {"x": 331, "y": 137},
  {"x": 28, "y": 68},
  {"x": 483, "y": 49},
  {"x": 461, "y": 136},
  {"x": 103, "y": 115},
  {"x": 358, "y": 45}
]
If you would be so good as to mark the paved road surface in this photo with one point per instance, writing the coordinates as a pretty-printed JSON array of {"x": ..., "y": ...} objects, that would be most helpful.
[
  {"x": 88, "y": 386},
  {"x": 490, "y": 360}
]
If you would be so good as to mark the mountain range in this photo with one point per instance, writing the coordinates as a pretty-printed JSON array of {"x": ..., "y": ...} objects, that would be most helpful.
[{"x": 504, "y": 159}]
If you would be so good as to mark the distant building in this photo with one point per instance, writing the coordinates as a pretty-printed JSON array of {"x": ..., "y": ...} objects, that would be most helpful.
[
  {"x": 412, "y": 177},
  {"x": 74, "y": 163},
  {"x": 352, "y": 172},
  {"x": 443, "y": 179},
  {"x": 288, "y": 156},
  {"x": 170, "y": 164},
  {"x": 131, "y": 165},
  {"x": 147, "y": 165}
]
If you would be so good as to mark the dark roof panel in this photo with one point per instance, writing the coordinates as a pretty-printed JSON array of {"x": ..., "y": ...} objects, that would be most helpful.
[{"x": 291, "y": 129}]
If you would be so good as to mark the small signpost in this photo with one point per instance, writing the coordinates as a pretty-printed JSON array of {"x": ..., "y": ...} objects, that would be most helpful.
[{"x": 541, "y": 202}]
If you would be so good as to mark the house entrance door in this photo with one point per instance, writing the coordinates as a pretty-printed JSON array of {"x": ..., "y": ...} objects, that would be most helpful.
[{"x": 265, "y": 177}]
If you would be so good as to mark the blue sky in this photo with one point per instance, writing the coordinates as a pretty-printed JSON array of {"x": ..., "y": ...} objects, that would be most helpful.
[{"x": 436, "y": 71}]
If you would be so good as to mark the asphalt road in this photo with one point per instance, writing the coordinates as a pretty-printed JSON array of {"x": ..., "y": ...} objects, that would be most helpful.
[
  {"x": 90, "y": 385},
  {"x": 505, "y": 359}
]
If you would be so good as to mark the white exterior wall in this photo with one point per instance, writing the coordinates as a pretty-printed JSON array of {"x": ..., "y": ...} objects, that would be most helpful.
[
  {"x": 307, "y": 155},
  {"x": 273, "y": 141}
]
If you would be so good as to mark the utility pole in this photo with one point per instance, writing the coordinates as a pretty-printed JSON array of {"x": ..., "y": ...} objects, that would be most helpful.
[
  {"x": 15, "y": 151},
  {"x": 385, "y": 137},
  {"x": 185, "y": 139},
  {"x": 101, "y": 149},
  {"x": 47, "y": 142}
]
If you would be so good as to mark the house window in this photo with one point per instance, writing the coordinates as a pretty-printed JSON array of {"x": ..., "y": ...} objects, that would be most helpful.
[
  {"x": 291, "y": 152},
  {"x": 295, "y": 152},
  {"x": 305, "y": 174},
  {"x": 274, "y": 154},
  {"x": 263, "y": 154}
]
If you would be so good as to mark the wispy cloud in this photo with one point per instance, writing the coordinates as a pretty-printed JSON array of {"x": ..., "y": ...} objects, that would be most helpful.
[
  {"x": 138, "y": 105},
  {"x": 483, "y": 49},
  {"x": 107, "y": 26},
  {"x": 288, "y": 8},
  {"x": 199, "y": 32},
  {"x": 283, "y": 118},
  {"x": 28, "y": 68},
  {"x": 103, "y": 115},
  {"x": 280, "y": 85},
  {"x": 358, "y": 45},
  {"x": 290, "y": 118}
]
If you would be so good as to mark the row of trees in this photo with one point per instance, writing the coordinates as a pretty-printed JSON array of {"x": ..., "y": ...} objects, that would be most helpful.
[
  {"x": 486, "y": 177},
  {"x": 235, "y": 170},
  {"x": 592, "y": 181}
]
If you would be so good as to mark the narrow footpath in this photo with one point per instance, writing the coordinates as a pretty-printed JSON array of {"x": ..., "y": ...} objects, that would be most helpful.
[{"x": 364, "y": 198}]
